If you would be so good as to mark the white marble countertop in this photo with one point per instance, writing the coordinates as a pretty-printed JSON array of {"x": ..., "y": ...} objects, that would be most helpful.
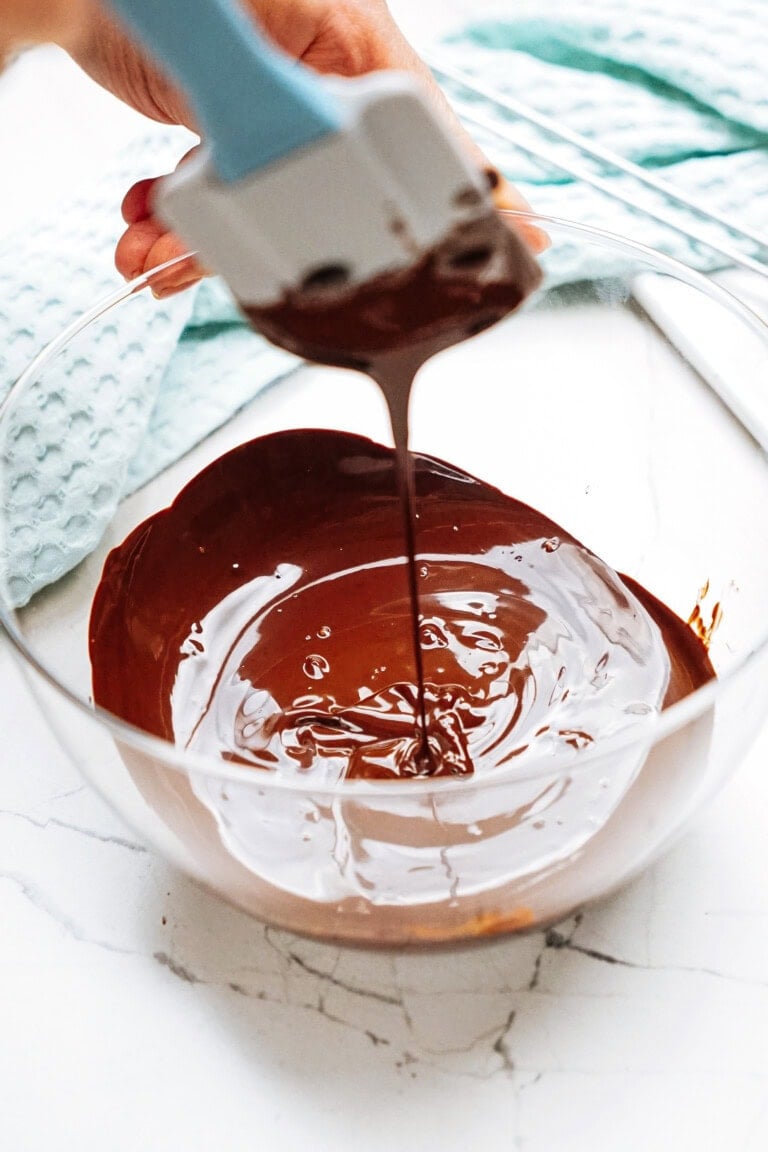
[{"x": 138, "y": 1012}]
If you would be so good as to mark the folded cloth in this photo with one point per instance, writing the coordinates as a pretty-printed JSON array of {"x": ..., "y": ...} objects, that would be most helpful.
[
  {"x": 103, "y": 417},
  {"x": 681, "y": 94},
  {"x": 677, "y": 90}
]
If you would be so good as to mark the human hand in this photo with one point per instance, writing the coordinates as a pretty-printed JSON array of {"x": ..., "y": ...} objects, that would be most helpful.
[{"x": 343, "y": 37}]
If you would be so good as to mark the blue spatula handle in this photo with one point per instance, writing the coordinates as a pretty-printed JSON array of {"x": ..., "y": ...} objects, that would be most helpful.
[{"x": 253, "y": 104}]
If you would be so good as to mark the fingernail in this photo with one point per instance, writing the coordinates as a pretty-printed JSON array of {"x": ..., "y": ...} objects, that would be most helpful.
[{"x": 164, "y": 293}]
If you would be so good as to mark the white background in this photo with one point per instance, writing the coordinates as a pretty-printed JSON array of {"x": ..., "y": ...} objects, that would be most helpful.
[{"x": 137, "y": 1012}]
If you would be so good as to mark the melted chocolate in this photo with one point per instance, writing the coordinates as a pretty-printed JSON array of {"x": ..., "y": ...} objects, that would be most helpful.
[
  {"x": 390, "y": 326},
  {"x": 283, "y": 613},
  {"x": 394, "y": 323},
  {"x": 266, "y": 617}
]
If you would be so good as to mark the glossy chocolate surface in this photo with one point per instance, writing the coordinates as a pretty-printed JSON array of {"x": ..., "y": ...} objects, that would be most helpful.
[
  {"x": 266, "y": 618},
  {"x": 290, "y": 611}
]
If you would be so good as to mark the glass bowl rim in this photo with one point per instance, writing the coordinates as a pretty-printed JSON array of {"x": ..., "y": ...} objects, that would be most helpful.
[{"x": 653, "y": 729}]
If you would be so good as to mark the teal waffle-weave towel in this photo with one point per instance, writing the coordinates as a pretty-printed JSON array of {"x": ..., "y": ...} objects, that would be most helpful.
[
  {"x": 104, "y": 416},
  {"x": 685, "y": 94},
  {"x": 679, "y": 89}
]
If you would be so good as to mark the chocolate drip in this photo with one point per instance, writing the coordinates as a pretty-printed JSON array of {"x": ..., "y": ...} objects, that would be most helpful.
[
  {"x": 265, "y": 617},
  {"x": 271, "y": 617},
  {"x": 389, "y": 328}
]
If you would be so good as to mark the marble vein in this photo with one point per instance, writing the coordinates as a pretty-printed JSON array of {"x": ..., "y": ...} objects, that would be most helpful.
[
  {"x": 354, "y": 989},
  {"x": 552, "y": 939},
  {"x": 187, "y": 976},
  {"x": 495, "y": 1037},
  {"x": 55, "y": 822},
  {"x": 558, "y": 942},
  {"x": 177, "y": 969},
  {"x": 501, "y": 1045},
  {"x": 40, "y": 901}
]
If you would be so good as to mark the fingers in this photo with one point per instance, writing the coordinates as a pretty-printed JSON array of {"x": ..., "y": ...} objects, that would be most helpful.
[
  {"x": 135, "y": 245},
  {"x": 147, "y": 243},
  {"x": 167, "y": 247},
  {"x": 136, "y": 205}
]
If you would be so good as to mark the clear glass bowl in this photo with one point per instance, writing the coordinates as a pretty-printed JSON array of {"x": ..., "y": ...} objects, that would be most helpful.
[{"x": 578, "y": 405}]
